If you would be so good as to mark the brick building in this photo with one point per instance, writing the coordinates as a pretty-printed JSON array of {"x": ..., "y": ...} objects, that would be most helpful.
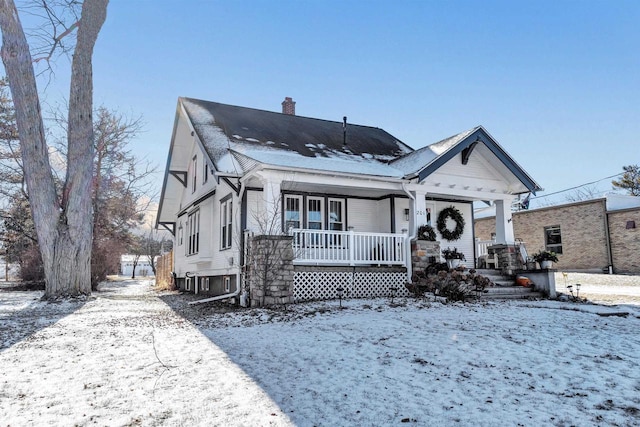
[{"x": 588, "y": 235}]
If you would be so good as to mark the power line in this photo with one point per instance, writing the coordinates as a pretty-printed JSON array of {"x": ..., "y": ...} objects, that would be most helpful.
[{"x": 577, "y": 186}]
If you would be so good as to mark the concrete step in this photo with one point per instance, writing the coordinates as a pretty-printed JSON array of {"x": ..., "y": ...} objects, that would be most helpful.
[
  {"x": 497, "y": 290},
  {"x": 511, "y": 292}
]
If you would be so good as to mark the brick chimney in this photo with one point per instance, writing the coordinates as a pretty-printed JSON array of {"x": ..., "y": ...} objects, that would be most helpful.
[{"x": 289, "y": 106}]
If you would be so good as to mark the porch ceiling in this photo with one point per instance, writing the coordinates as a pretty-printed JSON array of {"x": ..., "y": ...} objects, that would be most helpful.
[{"x": 321, "y": 188}]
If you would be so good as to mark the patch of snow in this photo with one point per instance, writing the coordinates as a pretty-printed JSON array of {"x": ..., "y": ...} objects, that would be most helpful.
[
  {"x": 252, "y": 140},
  {"x": 235, "y": 136},
  {"x": 328, "y": 162},
  {"x": 270, "y": 143},
  {"x": 621, "y": 201},
  {"x": 131, "y": 356}
]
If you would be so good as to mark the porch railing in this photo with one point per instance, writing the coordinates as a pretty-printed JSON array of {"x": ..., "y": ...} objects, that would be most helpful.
[
  {"x": 348, "y": 247},
  {"x": 481, "y": 247}
]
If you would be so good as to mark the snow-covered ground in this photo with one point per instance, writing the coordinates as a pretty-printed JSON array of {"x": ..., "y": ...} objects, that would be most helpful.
[{"x": 129, "y": 356}]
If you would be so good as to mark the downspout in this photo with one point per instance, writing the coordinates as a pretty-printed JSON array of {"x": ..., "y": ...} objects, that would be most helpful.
[
  {"x": 410, "y": 235},
  {"x": 238, "y": 273},
  {"x": 608, "y": 238},
  {"x": 219, "y": 297}
]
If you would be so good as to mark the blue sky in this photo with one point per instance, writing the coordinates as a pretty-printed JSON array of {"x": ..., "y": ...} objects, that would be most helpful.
[{"x": 557, "y": 83}]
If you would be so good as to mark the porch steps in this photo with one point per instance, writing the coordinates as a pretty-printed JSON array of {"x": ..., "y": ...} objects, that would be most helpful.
[{"x": 505, "y": 287}]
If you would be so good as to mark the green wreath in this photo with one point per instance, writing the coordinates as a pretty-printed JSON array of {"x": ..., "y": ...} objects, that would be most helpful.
[{"x": 454, "y": 214}]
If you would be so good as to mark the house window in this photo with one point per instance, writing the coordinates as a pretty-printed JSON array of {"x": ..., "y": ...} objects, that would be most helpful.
[
  {"x": 314, "y": 213},
  {"x": 205, "y": 284},
  {"x": 431, "y": 208},
  {"x": 194, "y": 233},
  {"x": 227, "y": 283},
  {"x": 205, "y": 172},
  {"x": 187, "y": 284},
  {"x": 553, "y": 239},
  {"x": 292, "y": 212},
  {"x": 180, "y": 235},
  {"x": 194, "y": 175},
  {"x": 226, "y": 222},
  {"x": 336, "y": 215}
]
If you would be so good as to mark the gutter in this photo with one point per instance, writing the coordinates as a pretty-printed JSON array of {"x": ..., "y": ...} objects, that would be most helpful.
[
  {"x": 410, "y": 235},
  {"x": 608, "y": 237}
]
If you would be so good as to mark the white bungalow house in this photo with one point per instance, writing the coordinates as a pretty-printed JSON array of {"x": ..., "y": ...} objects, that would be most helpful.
[{"x": 349, "y": 197}]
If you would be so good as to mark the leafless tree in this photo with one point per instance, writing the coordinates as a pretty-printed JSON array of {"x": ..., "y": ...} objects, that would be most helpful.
[
  {"x": 266, "y": 258},
  {"x": 586, "y": 192},
  {"x": 64, "y": 225}
]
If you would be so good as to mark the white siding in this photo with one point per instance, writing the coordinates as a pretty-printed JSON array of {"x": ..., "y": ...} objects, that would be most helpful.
[
  {"x": 401, "y": 205},
  {"x": 361, "y": 214},
  {"x": 477, "y": 173},
  {"x": 210, "y": 259},
  {"x": 465, "y": 244},
  {"x": 255, "y": 203}
]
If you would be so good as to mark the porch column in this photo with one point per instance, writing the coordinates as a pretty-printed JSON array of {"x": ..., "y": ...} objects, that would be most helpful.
[
  {"x": 504, "y": 223},
  {"x": 272, "y": 199},
  {"x": 417, "y": 211}
]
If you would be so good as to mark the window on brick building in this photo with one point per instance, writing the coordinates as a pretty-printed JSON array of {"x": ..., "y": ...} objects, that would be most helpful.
[{"x": 553, "y": 239}]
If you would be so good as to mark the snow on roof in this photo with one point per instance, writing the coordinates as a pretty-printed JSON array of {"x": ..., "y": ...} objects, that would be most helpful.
[
  {"x": 223, "y": 128},
  {"x": 334, "y": 162},
  {"x": 621, "y": 201},
  {"x": 614, "y": 202},
  {"x": 413, "y": 162}
]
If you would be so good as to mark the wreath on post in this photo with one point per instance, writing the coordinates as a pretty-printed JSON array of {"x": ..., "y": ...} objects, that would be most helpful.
[{"x": 454, "y": 214}]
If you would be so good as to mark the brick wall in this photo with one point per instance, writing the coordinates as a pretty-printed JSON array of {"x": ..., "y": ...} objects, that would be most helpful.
[
  {"x": 582, "y": 226},
  {"x": 625, "y": 243}
]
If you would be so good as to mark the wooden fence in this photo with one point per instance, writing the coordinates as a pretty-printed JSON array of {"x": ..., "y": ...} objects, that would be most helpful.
[{"x": 164, "y": 269}]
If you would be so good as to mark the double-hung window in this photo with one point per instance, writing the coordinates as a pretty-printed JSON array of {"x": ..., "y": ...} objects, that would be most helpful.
[
  {"x": 553, "y": 239},
  {"x": 194, "y": 233},
  {"x": 292, "y": 212},
  {"x": 226, "y": 222}
]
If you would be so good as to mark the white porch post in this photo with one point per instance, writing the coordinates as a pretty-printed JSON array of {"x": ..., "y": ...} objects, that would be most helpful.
[
  {"x": 504, "y": 223},
  {"x": 418, "y": 211},
  {"x": 272, "y": 205}
]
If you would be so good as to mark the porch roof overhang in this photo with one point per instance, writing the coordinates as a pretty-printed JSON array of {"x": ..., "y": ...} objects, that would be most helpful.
[
  {"x": 424, "y": 162},
  {"x": 466, "y": 144}
]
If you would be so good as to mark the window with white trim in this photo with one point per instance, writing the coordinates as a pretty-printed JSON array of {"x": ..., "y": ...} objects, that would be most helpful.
[
  {"x": 205, "y": 284},
  {"x": 205, "y": 172},
  {"x": 315, "y": 214},
  {"x": 292, "y": 212},
  {"x": 336, "y": 215},
  {"x": 227, "y": 283},
  {"x": 226, "y": 223},
  {"x": 193, "y": 223}
]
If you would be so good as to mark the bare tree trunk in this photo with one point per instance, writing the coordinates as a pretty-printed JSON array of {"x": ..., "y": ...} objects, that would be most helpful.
[{"x": 64, "y": 228}]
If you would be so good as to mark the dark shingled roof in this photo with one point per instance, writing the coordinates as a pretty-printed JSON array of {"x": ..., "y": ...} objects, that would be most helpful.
[{"x": 306, "y": 136}]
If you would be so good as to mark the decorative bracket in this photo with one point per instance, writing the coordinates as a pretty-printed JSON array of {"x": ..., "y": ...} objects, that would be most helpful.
[
  {"x": 180, "y": 176},
  {"x": 466, "y": 153}
]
